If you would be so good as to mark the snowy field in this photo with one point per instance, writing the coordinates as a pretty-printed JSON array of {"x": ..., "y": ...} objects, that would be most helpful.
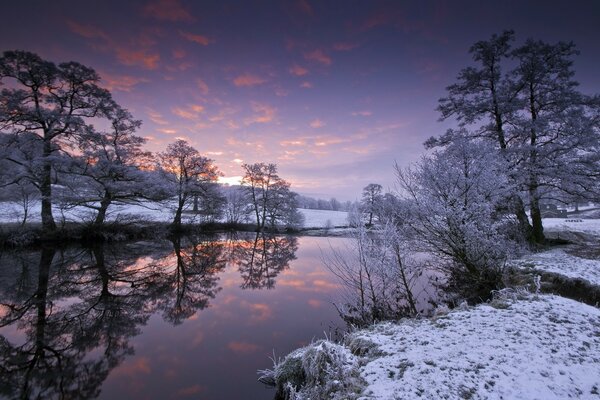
[
  {"x": 562, "y": 263},
  {"x": 155, "y": 212},
  {"x": 545, "y": 347},
  {"x": 324, "y": 218},
  {"x": 572, "y": 224}
]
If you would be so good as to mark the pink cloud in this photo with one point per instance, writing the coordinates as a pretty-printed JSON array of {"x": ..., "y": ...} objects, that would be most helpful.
[
  {"x": 178, "y": 53},
  {"x": 190, "y": 112},
  {"x": 138, "y": 57},
  {"x": 190, "y": 391},
  {"x": 123, "y": 83},
  {"x": 317, "y": 123},
  {"x": 200, "y": 39},
  {"x": 263, "y": 114},
  {"x": 156, "y": 117},
  {"x": 202, "y": 86},
  {"x": 168, "y": 10},
  {"x": 248, "y": 80},
  {"x": 297, "y": 70},
  {"x": 86, "y": 31},
  {"x": 345, "y": 46},
  {"x": 318, "y": 56},
  {"x": 306, "y": 85}
]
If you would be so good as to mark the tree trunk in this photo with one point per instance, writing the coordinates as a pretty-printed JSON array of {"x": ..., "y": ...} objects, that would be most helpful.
[
  {"x": 177, "y": 220},
  {"x": 524, "y": 226},
  {"x": 195, "y": 203},
  {"x": 48, "y": 223},
  {"x": 101, "y": 216},
  {"x": 536, "y": 216}
]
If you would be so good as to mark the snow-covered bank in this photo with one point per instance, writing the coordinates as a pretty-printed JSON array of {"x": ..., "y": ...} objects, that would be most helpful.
[
  {"x": 154, "y": 212},
  {"x": 537, "y": 347},
  {"x": 562, "y": 263}
]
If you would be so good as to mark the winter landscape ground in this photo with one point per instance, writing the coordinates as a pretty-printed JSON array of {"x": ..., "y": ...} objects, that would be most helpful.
[{"x": 520, "y": 345}]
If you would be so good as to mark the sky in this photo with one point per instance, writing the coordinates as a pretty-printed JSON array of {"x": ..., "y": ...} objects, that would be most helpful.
[{"x": 334, "y": 92}]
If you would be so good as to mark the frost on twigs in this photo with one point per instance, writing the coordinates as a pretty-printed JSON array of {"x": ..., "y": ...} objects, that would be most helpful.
[
  {"x": 322, "y": 370},
  {"x": 504, "y": 297}
]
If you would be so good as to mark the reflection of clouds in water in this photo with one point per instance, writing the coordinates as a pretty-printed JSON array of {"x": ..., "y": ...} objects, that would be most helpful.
[{"x": 243, "y": 347}]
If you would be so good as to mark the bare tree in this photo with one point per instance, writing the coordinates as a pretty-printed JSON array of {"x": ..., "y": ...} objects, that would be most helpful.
[
  {"x": 187, "y": 173},
  {"x": 270, "y": 195},
  {"x": 371, "y": 202},
  {"x": 51, "y": 101}
]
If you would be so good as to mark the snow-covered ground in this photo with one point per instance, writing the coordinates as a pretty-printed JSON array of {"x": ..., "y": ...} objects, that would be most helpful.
[
  {"x": 544, "y": 347},
  {"x": 572, "y": 224},
  {"x": 537, "y": 347},
  {"x": 562, "y": 263},
  {"x": 324, "y": 218},
  {"x": 157, "y": 212}
]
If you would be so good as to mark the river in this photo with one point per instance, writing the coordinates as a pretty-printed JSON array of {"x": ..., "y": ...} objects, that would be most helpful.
[{"x": 191, "y": 318}]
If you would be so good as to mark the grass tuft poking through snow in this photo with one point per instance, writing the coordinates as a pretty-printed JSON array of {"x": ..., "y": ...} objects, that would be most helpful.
[{"x": 321, "y": 370}]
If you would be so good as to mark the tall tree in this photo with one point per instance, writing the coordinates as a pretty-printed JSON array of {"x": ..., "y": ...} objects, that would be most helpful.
[
  {"x": 558, "y": 128},
  {"x": 187, "y": 173},
  {"x": 371, "y": 201},
  {"x": 51, "y": 101},
  {"x": 114, "y": 166},
  {"x": 540, "y": 123},
  {"x": 270, "y": 195}
]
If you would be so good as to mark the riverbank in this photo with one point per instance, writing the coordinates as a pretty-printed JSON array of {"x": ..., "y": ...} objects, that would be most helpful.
[
  {"x": 135, "y": 222},
  {"x": 522, "y": 344}
]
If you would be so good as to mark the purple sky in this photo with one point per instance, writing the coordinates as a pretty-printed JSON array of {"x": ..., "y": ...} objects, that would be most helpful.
[{"x": 334, "y": 92}]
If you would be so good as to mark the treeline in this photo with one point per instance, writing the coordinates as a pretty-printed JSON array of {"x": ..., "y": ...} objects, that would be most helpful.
[
  {"x": 52, "y": 152},
  {"x": 332, "y": 204}
]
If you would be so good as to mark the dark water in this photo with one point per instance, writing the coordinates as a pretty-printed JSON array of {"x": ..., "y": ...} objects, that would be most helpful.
[{"x": 189, "y": 319}]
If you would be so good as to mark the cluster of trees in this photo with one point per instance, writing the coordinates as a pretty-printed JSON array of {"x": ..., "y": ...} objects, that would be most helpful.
[
  {"x": 51, "y": 151},
  {"x": 525, "y": 135},
  {"x": 332, "y": 204}
]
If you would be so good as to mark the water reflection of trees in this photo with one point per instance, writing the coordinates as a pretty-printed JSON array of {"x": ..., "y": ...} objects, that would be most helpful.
[
  {"x": 73, "y": 303},
  {"x": 262, "y": 257},
  {"x": 190, "y": 279},
  {"x": 76, "y": 310}
]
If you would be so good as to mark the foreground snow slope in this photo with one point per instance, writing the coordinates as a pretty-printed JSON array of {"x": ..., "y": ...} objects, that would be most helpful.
[{"x": 543, "y": 347}]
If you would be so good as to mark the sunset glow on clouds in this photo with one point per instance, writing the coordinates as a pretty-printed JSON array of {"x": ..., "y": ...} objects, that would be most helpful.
[{"x": 333, "y": 94}]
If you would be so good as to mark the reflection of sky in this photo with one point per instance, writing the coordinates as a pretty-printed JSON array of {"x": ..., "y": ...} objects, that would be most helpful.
[
  {"x": 334, "y": 92},
  {"x": 216, "y": 353}
]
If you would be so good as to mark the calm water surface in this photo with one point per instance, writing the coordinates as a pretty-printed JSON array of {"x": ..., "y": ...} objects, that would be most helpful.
[{"x": 192, "y": 318}]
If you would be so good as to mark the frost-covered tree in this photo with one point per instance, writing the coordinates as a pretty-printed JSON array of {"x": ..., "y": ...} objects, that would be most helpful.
[
  {"x": 449, "y": 202},
  {"x": 237, "y": 207},
  {"x": 270, "y": 197},
  {"x": 546, "y": 129},
  {"x": 20, "y": 169},
  {"x": 113, "y": 167},
  {"x": 371, "y": 201},
  {"x": 557, "y": 134},
  {"x": 187, "y": 174},
  {"x": 54, "y": 102}
]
